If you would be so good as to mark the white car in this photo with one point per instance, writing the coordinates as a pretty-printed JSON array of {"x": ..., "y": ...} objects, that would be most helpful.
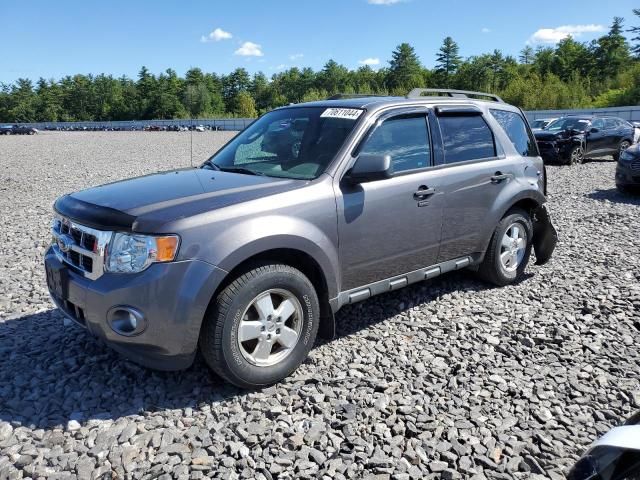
[
  {"x": 199, "y": 128},
  {"x": 615, "y": 456},
  {"x": 636, "y": 127},
  {"x": 540, "y": 123}
]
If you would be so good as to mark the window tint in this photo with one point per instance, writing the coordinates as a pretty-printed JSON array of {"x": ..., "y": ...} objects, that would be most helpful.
[
  {"x": 513, "y": 125},
  {"x": 406, "y": 139},
  {"x": 466, "y": 138},
  {"x": 598, "y": 123}
]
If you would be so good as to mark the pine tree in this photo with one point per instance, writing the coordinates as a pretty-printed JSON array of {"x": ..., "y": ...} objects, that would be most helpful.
[
  {"x": 447, "y": 60},
  {"x": 526, "y": 55},
  {"x": 405, "y": 70},
  {"x": 636, "y": 30}
]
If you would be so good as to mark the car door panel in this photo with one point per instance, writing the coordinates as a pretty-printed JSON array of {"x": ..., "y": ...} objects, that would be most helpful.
[
  {"x": 385, "y": 231},
  {"x": 391, "y": 226}
]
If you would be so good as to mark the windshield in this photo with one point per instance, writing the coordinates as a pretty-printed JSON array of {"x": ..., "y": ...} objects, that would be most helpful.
[
  {"x": 538, "y": 123},
  {"x": 568, "y": 124},
  {"x": 295, "y": 143}
]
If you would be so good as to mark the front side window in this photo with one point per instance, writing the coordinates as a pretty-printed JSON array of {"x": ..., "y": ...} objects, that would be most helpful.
[
  {"x": 405, "y": 139},
  {"x": 296, "y": 143},
  {"x": 513, "y": 125},
  {"x": 466, "y": 138}
]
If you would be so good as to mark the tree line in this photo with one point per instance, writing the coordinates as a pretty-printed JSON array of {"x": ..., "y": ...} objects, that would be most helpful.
[{"x": 604, "y": 72}]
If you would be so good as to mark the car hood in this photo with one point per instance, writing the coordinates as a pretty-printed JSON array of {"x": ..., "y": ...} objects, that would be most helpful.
[{"x": 146, "y": 202}]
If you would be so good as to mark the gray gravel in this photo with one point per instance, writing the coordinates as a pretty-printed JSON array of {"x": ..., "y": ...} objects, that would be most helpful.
[{"x": 446, "y": 379}]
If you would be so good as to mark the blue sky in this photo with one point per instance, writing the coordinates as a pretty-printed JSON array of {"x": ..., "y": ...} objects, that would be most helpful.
[{"x": 56, "y": 38}]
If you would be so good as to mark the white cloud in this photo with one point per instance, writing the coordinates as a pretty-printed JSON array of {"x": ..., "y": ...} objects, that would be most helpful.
[
  {"x": 554, "y": 35},
  {"x": 369, "y": 61},
  {"x": 296, "y": 56},
  {"x": 215, "y": 36},
  {"x": 249, "y": 49},
  {"x": 383, "y": 2},
  {"x": 485, "y": 30}
]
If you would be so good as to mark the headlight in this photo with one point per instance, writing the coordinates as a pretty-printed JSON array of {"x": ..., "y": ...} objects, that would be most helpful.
[
  {"x": 129, "y": 253},
  {"x": 626, "y": 156}
]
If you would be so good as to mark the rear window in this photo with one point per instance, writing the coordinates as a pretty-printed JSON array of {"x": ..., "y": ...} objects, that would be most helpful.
[
  {"x": 466, "y": 138},
  {"x": 513, "y": 125}
]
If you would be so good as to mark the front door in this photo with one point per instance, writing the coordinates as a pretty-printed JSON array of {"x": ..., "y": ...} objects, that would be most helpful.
[{"x": 391, "y": 226}]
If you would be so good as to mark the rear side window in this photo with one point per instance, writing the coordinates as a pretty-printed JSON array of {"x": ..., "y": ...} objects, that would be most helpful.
[
  {"x": 513, "y": 125},
  {"x": 405, "y": 139},
  {"x": 466, "y": 138},
  {"x": 611, "y": 124}
]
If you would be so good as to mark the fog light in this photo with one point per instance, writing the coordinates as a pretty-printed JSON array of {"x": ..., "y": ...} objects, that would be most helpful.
[{"x": 126, "y": 321}]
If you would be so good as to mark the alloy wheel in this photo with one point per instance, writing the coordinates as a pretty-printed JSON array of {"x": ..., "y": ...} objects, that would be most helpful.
[
  {"x": 270, "y": 327},
  {"x": 513, "y": 247}
]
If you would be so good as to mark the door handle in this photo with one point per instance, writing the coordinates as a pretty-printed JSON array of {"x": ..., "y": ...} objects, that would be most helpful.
[
  {"x": 499, "y": 177},
  {"x": 423, "y": 192}
]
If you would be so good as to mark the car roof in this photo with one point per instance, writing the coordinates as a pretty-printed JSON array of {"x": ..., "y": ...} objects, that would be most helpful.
[{"x": 375, "y": 102}]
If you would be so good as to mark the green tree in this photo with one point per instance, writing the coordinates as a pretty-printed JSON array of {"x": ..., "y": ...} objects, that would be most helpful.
[
  {"x": 447, "y": 60},
  {"x": 405, "y": 70},
  {"x": 636, "y": 31},
  {"x": 612, "y": 51},
  {"x": 527, "y": 55},
  {"x": 246, "y": 105}
]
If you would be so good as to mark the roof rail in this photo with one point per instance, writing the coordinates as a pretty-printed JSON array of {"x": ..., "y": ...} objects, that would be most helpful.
[
  {"x": 447, "y": 92},
  {"x": 342, "y": 96}
]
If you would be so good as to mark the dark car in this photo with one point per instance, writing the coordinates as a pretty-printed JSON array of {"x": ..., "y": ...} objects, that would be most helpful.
[
  {"x": 615, "y": 456},
  {"x": 628, "y": 169},
  {"x": 23, "y": 130},
  {"x": 574, "y": 139},
  {"x": 6, "y": 129}
]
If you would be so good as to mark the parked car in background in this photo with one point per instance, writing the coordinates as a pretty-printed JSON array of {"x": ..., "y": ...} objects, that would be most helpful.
[
  {"x": 628, "y": 169},
  {"x": 249, "y": 256},
  {"x": 6, "y": 129},
  {"x": 540, "y": 123},
  {"x": 23, "y": 130},
  {"x": 574, "y": 138},
  {"x": 615, "y": 456}
]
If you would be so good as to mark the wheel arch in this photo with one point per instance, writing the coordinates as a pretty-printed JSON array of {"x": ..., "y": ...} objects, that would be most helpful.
[{"x": 298, "y": 259}]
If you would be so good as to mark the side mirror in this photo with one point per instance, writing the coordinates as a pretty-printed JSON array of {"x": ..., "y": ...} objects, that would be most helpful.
[
  {"x": 369, "y": 168},
  {"x": 594, "y": 130}
]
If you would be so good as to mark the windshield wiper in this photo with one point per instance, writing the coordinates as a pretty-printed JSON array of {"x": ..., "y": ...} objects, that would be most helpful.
[
  {"x": 209, "y": 163},
  {"x": 242, "y": 170}
]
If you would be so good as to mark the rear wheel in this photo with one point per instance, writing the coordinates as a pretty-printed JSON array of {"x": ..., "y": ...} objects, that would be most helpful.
[
  {"x": 261, "y": 327},
  {"x": 509, "y": 249},
  {"x": 621, "y": 148}
]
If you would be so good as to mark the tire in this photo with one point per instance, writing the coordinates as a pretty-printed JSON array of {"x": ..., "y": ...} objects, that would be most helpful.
[
  {"x": 576, "y": 156},
  {"x": 493, "y": 268},
  {"x": 621, "y": 148},
  {"x": 261, "y": 360}
]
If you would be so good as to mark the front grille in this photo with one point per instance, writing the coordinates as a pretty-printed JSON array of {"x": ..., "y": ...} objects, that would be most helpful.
[
  {"x": 635, "y": 165},
  {"x": 80, "y": 246}
]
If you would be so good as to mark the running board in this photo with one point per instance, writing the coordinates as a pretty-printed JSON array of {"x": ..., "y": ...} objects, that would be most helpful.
[{"x": 394, "y": 283}]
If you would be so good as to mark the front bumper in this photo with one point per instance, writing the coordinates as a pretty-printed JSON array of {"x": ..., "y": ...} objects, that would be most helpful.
[
  {"x": 553, "y": 151},
  {"x": 173, "y": 297},
  {"x": 627, "y": 176}
]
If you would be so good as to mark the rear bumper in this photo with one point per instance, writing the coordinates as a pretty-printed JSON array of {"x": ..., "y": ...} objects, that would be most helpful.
[{"x": 172, "y": 297}]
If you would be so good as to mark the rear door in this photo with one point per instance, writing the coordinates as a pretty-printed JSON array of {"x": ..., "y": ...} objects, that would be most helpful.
[
  {"x": 476, "y": 171},
  {"x": 392, "y": 226}
]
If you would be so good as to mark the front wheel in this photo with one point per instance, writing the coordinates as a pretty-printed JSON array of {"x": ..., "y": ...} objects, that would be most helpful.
[
  {"x": 261, "y": 326},
  {"x": 509, "y": 249},
  {"x": 576, "y": 156},
  {"x": 621, "y": 148}
]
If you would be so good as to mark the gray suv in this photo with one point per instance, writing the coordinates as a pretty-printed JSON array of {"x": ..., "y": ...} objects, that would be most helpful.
[{"x": 312, "y": 207}]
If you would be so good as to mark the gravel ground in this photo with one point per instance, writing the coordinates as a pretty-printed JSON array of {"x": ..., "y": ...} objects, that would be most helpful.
[{"x": 446, "y": 379}]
